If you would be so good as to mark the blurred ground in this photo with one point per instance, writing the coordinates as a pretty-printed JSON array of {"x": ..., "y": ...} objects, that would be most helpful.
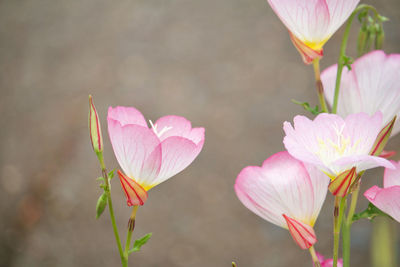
[{"x": 227, "y": 65}]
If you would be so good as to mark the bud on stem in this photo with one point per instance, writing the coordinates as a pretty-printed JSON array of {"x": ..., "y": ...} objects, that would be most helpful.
[{"x": 95, "y": 128}]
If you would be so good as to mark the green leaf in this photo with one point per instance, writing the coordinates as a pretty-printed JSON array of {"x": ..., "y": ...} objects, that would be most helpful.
[
  {"x": 101, "y": 205},
  {"x": 140, "y": 242},
  {"x": 111, "y": 174},
  {"x": 100, "y": 179},
  {"x": 306, "y": 106},
  {"x": 370, "y": 213}
]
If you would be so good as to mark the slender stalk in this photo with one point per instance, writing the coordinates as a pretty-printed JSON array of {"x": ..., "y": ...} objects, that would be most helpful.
[
  {"x": 340, "y": 207},
  {"x": 342, "y": 55},
  {"x": 111, "y": 210},
  {"x": 320, "y": 87},
  {"x": 314, "y": 257},
  {"x": 131, "y": 226},
  {"x": 347, "y": 228}
]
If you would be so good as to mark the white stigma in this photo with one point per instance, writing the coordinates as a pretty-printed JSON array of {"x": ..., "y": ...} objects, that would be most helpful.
[{"x": 163, "y": 130}]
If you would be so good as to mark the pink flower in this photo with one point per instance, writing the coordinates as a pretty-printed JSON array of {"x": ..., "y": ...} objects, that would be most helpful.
[
  {"x": 328, "y": 262},
  {"x": 312, "y": 22},
  {"x": 149, "y": 156},
  {"x": 285, "y": 192},
  {"x": 334, "y": 144},
  {"x": 387, "y": 199},
  {"x": 373, "y": 84}
]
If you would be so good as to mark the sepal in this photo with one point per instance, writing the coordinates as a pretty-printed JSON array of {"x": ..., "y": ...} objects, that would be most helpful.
[
  {"x": 302, "y": 233},
  {"x": 341, "y": 184},
  {"x": 382, "y": 138},
  {"x": 134, "y": 192},
  {"x": 307, "y": 53}
]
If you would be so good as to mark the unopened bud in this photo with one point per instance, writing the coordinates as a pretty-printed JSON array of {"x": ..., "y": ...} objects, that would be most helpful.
[
  {"x": 362, "y": 41},
  {"x": 95, "y": 128},
  {"x": 340, "y": 186}
]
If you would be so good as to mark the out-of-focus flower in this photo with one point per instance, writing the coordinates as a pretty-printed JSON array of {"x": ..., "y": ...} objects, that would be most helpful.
[
  {"x": 312, "y": 22},
  {"x": 94, "y": 128},
  {"x": 285, "y": 192},
  {"x": 328, "y": 262},
  {"x": 149, "y": 156},
  {"x": 372, "y": 84},
  {"x": 334, "y": 144},
  {"x": 387, "y": 199}
]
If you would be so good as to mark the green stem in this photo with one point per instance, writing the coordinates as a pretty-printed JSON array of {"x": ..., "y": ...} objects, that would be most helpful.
[
  {"x": 347, "y": 228},
  {"x": 129, "y": 234},
  {"x": 320, "y": 87},
  {"x": 111, "y": 210},
  {"x": 340, "y": 206},
  {"x": 314, "y": 257},
  {"x": 342, "y": 55}
]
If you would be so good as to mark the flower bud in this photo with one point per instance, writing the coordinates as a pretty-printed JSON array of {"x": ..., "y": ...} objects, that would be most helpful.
[
  {"x": 95, "y": 128},
  {"x": 382, "y": 138},
  {"x": 341, "y": 184}
]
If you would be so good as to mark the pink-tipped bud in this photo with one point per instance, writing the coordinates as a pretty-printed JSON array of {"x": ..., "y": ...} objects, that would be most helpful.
[
  {"x": 382, "y": 138},
  {"x": 341, "y": 185},
  {"x": 134, "y": 192},
  {"x": 302, "y": 233},
  {"x": 94, "y": 128},
  {"x": 307, "y": 53}
]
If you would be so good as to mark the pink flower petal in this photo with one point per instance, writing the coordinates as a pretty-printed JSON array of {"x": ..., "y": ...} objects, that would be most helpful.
[
  {"x": 386, "y": 199},
  {"x": 137, "y": 149},
  {"x": 372, "y": 85},
  {"x": 177, "y": 154},
  {"x": 391, "y": 177},
  {"x": 282, "y": 186},
  {"x": 179, "y": 126},
  {"x": 308, "y": 20},
  {"x": 126, "y": 115}
]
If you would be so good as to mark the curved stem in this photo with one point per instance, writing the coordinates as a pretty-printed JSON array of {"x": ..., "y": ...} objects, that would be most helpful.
[
  {"x": 314, "y": 257},
  {"x": 320, "y": 87},
  {"x": 342, "y": 55},
  {"x": 340, "y": 206},
  {"x": 111, "y": 210}
]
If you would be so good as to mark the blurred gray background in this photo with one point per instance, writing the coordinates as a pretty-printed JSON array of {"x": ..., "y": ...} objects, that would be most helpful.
[{"x": 227, "y": 65}]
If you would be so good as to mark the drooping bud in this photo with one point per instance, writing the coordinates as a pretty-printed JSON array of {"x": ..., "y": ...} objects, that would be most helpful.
[
  {"x": 302, "y": 233},
  {"x": 382, "y": 138},
  {"x": 134, "y": 192},
  {"x": 380, "y": 38},
  {"x": 95, "y": 128},
  {"x": 307, "y": 53},
  {"x": 341, "y": 184}
]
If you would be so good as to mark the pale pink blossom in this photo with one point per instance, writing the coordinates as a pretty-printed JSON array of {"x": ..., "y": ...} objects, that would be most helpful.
[
  {"x": 149, "y": 156},
  {"x": 335, "y": 144},
  {"x": 312, "y": 22},
  {"x": 328, "y": 262},
  {"x": 387, "y": 199},
  {"x": 285, "y": 192},
  {"x": 372, "y": 84}
]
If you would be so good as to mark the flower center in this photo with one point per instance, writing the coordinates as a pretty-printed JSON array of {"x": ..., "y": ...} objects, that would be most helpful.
[
  {"x": 331, "y": 150},
  {"x": 163, "y": 130}
]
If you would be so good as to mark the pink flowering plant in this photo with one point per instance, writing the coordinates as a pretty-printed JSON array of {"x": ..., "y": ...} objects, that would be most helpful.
[{"x": 359, "y": 101}]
